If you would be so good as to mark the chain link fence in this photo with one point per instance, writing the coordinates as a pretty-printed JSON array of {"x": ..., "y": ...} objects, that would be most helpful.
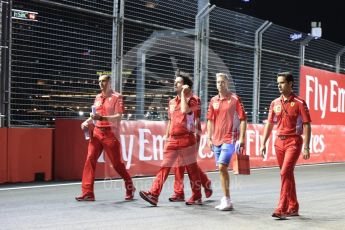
[
  {"x": 55, "y": 61},
  {"x": 158, "y": 40},
  {"x": 5, "y": 10},
  {"x": 1, "y": 81},
  {"x": 1, "y": 32}
]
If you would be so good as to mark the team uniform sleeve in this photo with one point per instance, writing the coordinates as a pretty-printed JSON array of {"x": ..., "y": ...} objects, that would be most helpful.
[
  {"x": 271, "y": 113},
  {"x": 240, "y": 110},
  {"x": 210, "y": 111},
  {"x": 119, "y": 105},
  {"x": 194, "y": 105},
  {"x": 198, "y": 112},
  {"x": 305, "y": 112}
]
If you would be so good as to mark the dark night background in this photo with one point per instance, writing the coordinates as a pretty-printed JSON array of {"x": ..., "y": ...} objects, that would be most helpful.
[{"x": 296, "y": 14}]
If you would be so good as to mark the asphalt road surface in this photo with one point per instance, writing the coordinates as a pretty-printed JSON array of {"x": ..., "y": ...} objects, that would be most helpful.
[{"x": 320, "y": 190}]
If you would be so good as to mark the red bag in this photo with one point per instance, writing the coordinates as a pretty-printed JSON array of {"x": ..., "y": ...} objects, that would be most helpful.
[{"x": 241, "y": 164}]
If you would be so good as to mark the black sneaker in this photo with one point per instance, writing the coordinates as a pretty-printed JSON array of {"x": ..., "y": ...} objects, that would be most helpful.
[
  {"x": 86, "y": 197},
  {"x": 193, "y": 201},
  {"x": 147, "y": 196},
  {"x": 176, "y": 198},
  {"x": 279, "y": 215}
]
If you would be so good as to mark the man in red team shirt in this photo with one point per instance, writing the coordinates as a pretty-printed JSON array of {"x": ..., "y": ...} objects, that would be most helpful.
[
  {"x": 178, "y": 195},
  {"x": 180, "y": 143},
  {"x": 291, "y": 114},
  {"x": 226, "y": 127},
  {"x": 109, "y": 109}
]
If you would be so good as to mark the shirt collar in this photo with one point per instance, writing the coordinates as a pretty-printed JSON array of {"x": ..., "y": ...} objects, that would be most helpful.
[
  {"x": 108, "y": 94},
  {"x": 229, "y": 94},
  {"x": 291, "y": 97}
]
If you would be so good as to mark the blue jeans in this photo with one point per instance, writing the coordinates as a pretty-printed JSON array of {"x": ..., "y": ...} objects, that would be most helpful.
[{"x": 223, "y": 153}]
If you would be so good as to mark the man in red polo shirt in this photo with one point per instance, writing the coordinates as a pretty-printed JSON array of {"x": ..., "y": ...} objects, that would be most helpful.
[
  {"x": 291, "y": 114},
  {"x": 178, "y": 195},
  {"x": 180, "y": 143},
  {"x": 105, "y": 136},
  {"x": 226, "y": 128}
]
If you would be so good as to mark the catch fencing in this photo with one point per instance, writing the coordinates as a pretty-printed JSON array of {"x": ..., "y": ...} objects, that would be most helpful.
[{"x": 55, "y": 60}]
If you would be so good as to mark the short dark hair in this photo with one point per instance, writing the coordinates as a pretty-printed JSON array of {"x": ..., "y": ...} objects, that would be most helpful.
[
  {"x": 185, "y": 76},
  {"x": 288, "y": 76}
]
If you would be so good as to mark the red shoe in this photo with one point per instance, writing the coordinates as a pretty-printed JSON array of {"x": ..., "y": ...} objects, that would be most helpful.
[
  {"x": 147, "y": 196},
  {"x": 86, "y": 197},
  {"x": 176, "y": 198},
  {"x": 279, "y": 214},
  {"x": 130, "y": 194},
  {"x": 208, "y": 192},
  {"x": 292, "y": 213},
  {"x": 193, "y": 201}
]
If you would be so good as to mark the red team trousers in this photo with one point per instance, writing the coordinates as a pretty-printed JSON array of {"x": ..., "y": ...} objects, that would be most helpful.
[
  {"x": 103, "y": 139},
  {"x": 182, "y": 147},
  {"x": 288, "y": 150},
  {"x": 179, "y": 175}
]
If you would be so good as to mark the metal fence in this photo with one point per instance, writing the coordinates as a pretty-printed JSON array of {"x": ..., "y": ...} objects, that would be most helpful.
[
  {"x": 5, "y": 9},
  {"x": 55, "y": 61},
  {"x": 1, "y": 81},
  {"x": 158, "y": 39}
]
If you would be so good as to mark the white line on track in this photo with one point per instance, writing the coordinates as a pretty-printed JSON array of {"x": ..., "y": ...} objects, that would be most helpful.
[{"x": 148, "y": 177}]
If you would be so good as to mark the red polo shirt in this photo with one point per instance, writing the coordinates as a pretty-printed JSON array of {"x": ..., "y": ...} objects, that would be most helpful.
[
  {"x": 182, "y": 123},
  {"x": 109, "y": 105},
  {"x": 289, "y": 115},
  {"x": 226, "y": 115},
  {"x": 198, "y": 115}
]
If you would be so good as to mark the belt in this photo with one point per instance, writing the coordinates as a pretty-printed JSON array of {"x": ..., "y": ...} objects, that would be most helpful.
[
  {"x": 284, "y": 137},
  {"x": 181, "y": 135},
  {"x": 104, "y": 128}
]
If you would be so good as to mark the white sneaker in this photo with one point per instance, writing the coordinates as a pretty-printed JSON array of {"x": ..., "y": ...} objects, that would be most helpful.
[
  {"x": 221, "y": 202},
  {"x": 225, "y": 204}
]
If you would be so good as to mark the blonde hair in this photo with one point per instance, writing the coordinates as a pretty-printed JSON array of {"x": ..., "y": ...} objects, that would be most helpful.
[
  {"x": 225, "y": 76},
  {"x": 107, "y": 76}
]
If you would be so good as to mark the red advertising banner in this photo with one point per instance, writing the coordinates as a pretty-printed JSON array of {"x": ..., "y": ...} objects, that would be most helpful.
[
  {"x": 142, "y": 148},
  {"x": 30, "y": 153},
  {"x": 3, "y": 155},
  {"x": 326, "y": 145},
  {"x": 324, "y": 92}
]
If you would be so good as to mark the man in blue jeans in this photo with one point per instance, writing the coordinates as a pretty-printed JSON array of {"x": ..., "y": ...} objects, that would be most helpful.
[{"x": 226, "y": 127}]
